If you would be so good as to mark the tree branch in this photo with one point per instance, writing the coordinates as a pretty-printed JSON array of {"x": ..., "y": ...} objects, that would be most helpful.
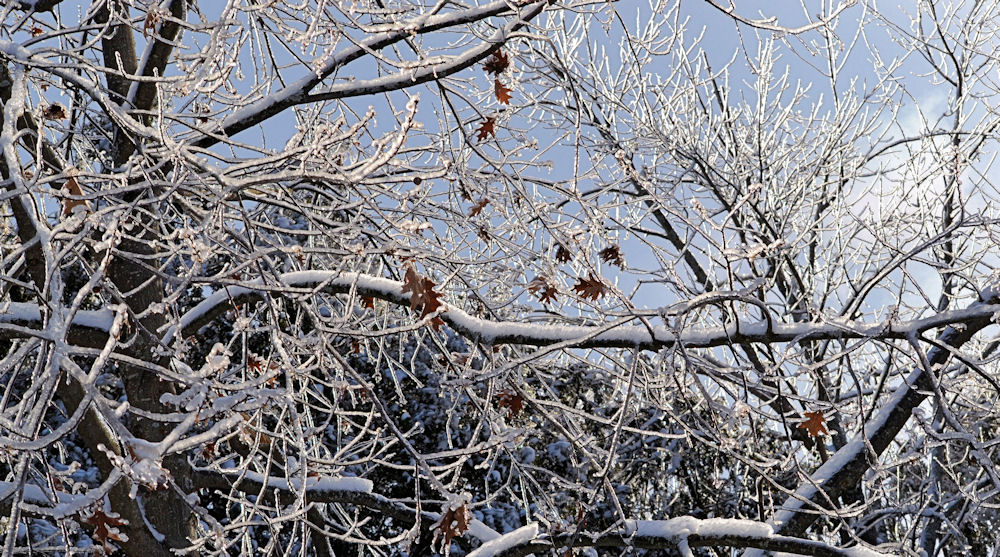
[
  {"x": 298, "y": 91},
  {"x": 846, "y": 467}
]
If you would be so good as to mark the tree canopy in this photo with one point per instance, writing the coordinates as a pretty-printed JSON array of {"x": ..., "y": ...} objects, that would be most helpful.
[{"x": 373, "y": 277}]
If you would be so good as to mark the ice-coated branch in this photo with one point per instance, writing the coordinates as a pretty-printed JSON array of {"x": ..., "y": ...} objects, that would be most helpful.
[
  {"x": 676, "y": 533},
  {"x": 616, "y": 334},
  {"x": 19, "y": 319},
  {"x": 675, "y": 536},
  {"x": 22, "y": 317},
  {"x": 356, "y": 491},
  {"x": 345, "y": 490},
  {"x": 770, "y": 23}
]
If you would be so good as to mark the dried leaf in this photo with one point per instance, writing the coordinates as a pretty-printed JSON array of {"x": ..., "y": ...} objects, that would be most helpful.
[
  {"x": 497, "y": 63},
  {"x": 613, "y": 255},
  {"x": 454, "y": 522},
  {"x": 486, "y": 129},
  {"x": 502, "y": 92},
  {"x": 368, "y": 302},
  {"x": 106, "y": 528},
  {"x": 511, "y": 401},
  {"x": 255, "y": 364},
  {"x": 153, "y": 17},
  {"x": 422, "y": 294},
  {"x": 54, "y": 111},
  {"x": 250, "y": 435},
  {"x": 72, "y": 187},
  {"x": 563, "y": 255},
  {"x": 479, "y": 206},
  {"x": 590, "y": 288},
  {"x": 814, "y": 424},
  {"x": 35, "y": 31},
  {"x": 544, "y": 289},
  {"x": 208, "y": 451}
]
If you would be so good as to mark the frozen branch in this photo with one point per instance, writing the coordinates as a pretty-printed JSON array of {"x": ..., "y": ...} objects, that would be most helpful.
[{"x": 614, "y": 334}]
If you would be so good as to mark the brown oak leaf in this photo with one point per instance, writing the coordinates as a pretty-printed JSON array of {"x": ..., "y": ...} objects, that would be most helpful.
[
  {"x": 814, "y": 424},
  {"x": 254, "y": 363},
  {"x": 486, "y": 129},
  {"x": 72, "y": 187},
  {"x": 501, "y": 91},
  {"x": 454, "y": 522},
  {"x": 209, "y": 450},
  {"x": 149, "y": 25},
  {"x": 563, "y": 255},
  {"x": 544, "y": 289},
  {"x": 422, "y": 294},
  {"x": 613, "y": 255},
  {"x": 511, "y": 401},
  {"x": 590, "y": 288},
  {"x": 54, "y": 111},
  {"x": 479, "y": 206},
  {"x": 497, "y": 63},
  {"x": 106, "y": 528},
  {"x": 250, "y": 432}
]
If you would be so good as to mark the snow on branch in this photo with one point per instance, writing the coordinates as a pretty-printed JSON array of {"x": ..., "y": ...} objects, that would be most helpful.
[
  {"x": 507, "y": 542},
  {"x": 18, "y": 319},
  {"x": 686, "y": 532},
  {"x": 344, "y": 490},
  {"x": 616, "y": 334},
  {"x": 21, "y": 319},
  {"x": 32, "y": 494},
  {"x": 38, "y": 501},
  {"x": 770, "y": 23},
  {"x": 681, "y": 533},
  {"x": 352, "y": 490}
]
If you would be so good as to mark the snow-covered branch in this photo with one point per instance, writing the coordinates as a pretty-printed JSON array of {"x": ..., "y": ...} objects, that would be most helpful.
[
  {"x": 676, "y": 536},
  {"x": 351, "y": 491},
  {"x": 613, "y": 334},
  {"x": 618, "y": 333}
]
